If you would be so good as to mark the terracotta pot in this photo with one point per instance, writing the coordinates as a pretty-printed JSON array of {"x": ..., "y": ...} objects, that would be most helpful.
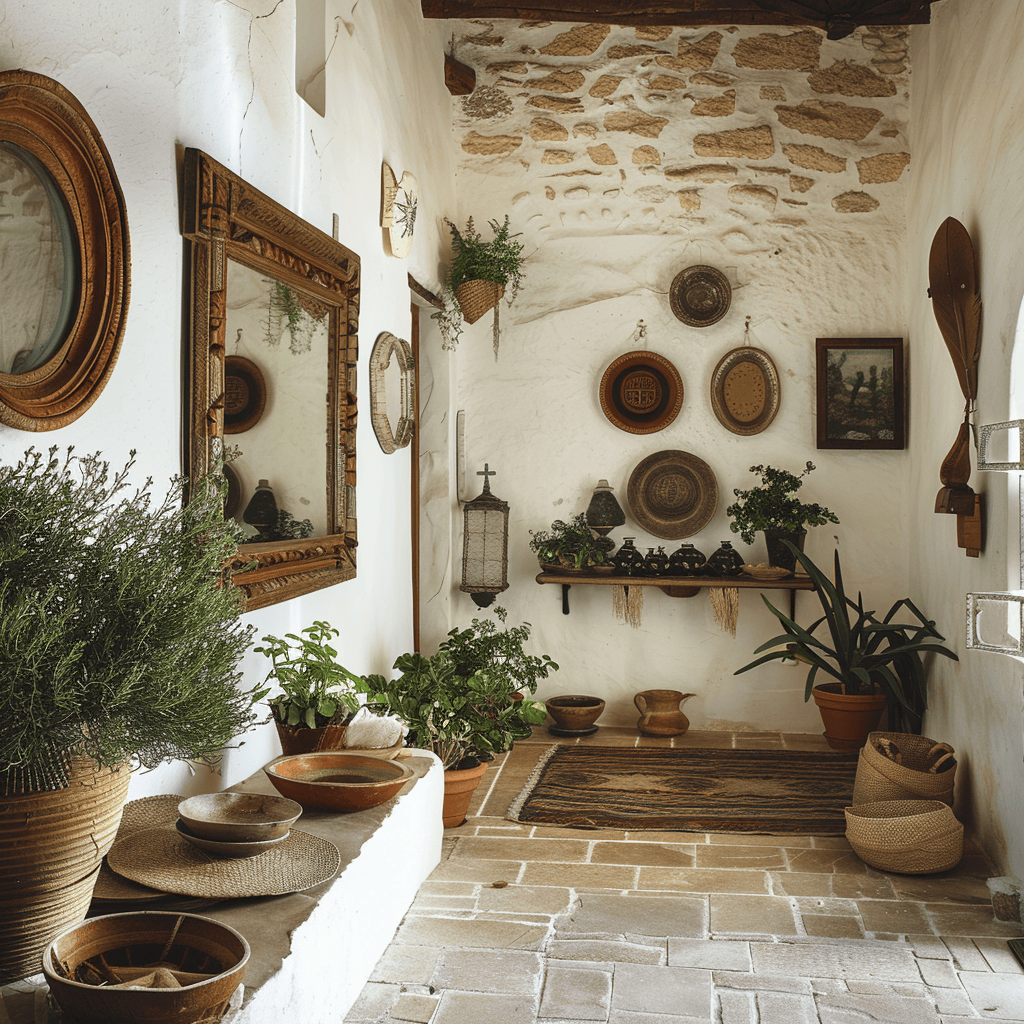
[
  {"x": 459, "y": 787},
  {"x": 848, "y": 718},
  {"x": 778, "y": 554},
  {"x": 300, "y": 739},
  {"x": 660, "y": 714},
  {"x": 574, "y": 713}
]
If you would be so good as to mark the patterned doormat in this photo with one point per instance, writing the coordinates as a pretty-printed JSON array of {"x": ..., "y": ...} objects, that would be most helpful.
[{"x": 775, "y": 792}]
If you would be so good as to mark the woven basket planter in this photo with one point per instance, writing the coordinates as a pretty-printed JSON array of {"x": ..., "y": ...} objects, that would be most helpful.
[
  {"x": 910, "y": 837},
  {"x": 881, "y": 778},
  {"x": 477, "y": 297}
]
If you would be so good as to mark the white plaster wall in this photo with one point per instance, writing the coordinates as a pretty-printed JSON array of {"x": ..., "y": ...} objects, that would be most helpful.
[
  {"x": 968, "y": 152},
  {"x": 219, "y": 76}
]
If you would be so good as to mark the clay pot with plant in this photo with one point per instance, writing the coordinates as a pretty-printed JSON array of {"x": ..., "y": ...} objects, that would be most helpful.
[{"x": 569, "y": 545}]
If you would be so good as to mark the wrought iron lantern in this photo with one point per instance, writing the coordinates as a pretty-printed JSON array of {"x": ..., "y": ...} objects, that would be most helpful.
[{"x": 485, "y": 544}]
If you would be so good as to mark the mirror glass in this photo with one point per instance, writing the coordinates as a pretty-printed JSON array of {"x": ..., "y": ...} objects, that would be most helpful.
[{"x": 37, "y": 263}]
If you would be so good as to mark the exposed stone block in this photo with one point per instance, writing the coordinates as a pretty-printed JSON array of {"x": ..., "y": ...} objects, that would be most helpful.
[
  {"x": 798, "y": 51},
  {"x": 653, "y": 33},
  {"x": 830, "y": 120},
  {"x": 755, "y": 143},
  {"x": 491, "y": 145},
  {"x": 646, "y": 155},
  {"x": 695, "y": 56},
  {"x": 883, "y": 167},
  {"x": 557, "y": 81},
  {"x": 585, "y": 129},
  {"x": 557, "y": 156},
  {"x": 484, "y": 39},
  {"x": 580, "y": 41},
  {"x": 508, "y": 67},
  {"x": 486, "y": 101},
  {"x": 849, "y": 79},
  {"x": 619, "y": 52},
  {"x": 794, "y": 202},
  {"x": 773, "y": 92},
  {"x": 715, "y": 106},
  {"x": 889, "y": 133},
  {"x": 635, "y": 122},
  {"x": 759, "y": 195},
  {"x": 813, "y": 158},
  {"x": 702, "y": 172},
  {"x": 712, "y": 78},
  {"x": 580, "y": 192},
  {"x": 558, "y": 104},
  {"x": 602, "y": 154},
  {"x": 652, "y": 194},
  {"x": 543, "y": 129},
  {"x": 689, "y": 199},
  {"x": 854, "y": 202},
  {"x": 666, "y": 83},
  {"x": 605, "y": 86},
  {"x": 549, "y": 192},
  {"x": 1006, "y": 898},
  {"x": 798, "y": 183}
]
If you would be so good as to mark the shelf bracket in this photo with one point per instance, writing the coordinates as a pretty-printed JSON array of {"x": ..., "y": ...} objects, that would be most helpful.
[{"x": 565, "y": 598}]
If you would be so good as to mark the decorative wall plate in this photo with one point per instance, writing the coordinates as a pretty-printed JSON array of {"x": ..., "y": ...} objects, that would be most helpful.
[
  {"x": 245, "y": 394},
  {"x": 641, "y": 392},
  {"x": 745, "y": 390},
  {"x": 700, "y": 295},
  {"x": 399, "y": 199},
  {"x": 672, "y": 494}
]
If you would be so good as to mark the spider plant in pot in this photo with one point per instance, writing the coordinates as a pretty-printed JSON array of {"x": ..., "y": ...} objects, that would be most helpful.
[
  {"x": 875, "y": 663},
  {"x": 774, "y": 509},
  {"x": 119, "y": 647}
]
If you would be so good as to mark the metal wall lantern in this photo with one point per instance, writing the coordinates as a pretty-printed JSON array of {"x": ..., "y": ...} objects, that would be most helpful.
[{"x": 485, "y": 544}]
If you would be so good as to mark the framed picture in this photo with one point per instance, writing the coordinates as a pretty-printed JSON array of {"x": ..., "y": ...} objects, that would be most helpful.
[{"x": 861, "y": 393}]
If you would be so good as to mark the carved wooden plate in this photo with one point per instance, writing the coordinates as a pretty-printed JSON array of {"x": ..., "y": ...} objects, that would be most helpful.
[
  {"x": 700, "y": 295},
  {"x": 641, "y": 392},
  {"x": 745, "y": 390},
  {"x": 672, "y": 494},
  {"x": 245, "y": 394}
]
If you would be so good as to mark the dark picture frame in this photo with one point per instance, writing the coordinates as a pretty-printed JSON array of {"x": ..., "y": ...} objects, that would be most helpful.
[{"x": 861, "y": 393}]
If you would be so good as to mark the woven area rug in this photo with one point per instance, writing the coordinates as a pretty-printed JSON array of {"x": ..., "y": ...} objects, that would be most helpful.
[{"x": 775, "y": 792}]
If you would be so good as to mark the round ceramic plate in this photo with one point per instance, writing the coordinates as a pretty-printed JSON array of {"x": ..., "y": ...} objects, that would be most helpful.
[
  {"x": 745, "y": 390},
  {"x": 672, "y": 494},
  {"x": 245, "y": 394},
  {"x": 700, "y": 295},
  {"x": 641, "y": 392}
]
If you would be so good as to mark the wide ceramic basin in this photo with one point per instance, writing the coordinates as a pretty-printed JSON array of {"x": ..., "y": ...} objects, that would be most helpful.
[
  {"x": 337, "y": 780},
  {"x": 239, "y": 817}
]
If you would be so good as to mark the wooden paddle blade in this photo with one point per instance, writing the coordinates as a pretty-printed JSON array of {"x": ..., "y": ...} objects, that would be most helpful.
[
  {"x": 953, "y": 284},
  {"x": 955, "y": 470}
]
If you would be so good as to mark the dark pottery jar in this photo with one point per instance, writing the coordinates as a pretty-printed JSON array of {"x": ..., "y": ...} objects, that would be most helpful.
[
  {"x": 656, "y": 562},
  {"x": 686, "y": 560},
  {"x": 628, "y": 561},
  {"x": 726, "y": 561},
  {"x": 778, "y": 554}
]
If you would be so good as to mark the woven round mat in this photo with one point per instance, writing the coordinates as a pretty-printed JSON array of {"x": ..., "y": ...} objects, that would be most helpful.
[
  {"x": 160, "y": 858},
  {"x": 672, "y": 494},
  {"x": 700, "y": 295}
]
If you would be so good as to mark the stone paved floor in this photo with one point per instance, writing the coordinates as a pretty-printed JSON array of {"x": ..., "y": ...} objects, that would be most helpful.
[{"x": 538, "y": 924}]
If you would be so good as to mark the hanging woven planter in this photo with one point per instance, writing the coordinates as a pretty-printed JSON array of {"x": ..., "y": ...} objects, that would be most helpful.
[{"x": 477, "y": 297}]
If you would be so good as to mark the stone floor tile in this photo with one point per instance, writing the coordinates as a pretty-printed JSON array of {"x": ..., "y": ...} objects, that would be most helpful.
[
  {"x": 486, "y": 970},
  {"x": 636, "y": 915},
  {"x": 525, "y": 899},
  {"x": 466, "y": 869},
  {"x": 826, "y": 905},
  {"x": 576, "y": 994},
  {"x": 406, "y": 965},
  {"x": 446, "y": 888},
  {"x": 750, "y": 982},
  {"x": 952, "y": 1001},
  {"x": 953, "y": 919},
  {"x": 374, "y": 1001},
  {"x": 752, "y": 915},
  {"x": 832, "y": 926},
  {"x": 762, "y": 858},
  {"x": 830, "y": 843},
  {"x": 686, "y": 838},
  {"x": 660, "y": 854},
  {"x": 607, "y": 950},
  {"x": 710, "y": 954},
  {"x": 966, "y": 955},
  {"x": 995, "y": 996},
  {"x": 802, "y": 883},
  {"x": 828, "y": 986},
  {"x": 998, "y": 955},
  {"x": 862, "y": 887},
  {"x": 737, "y": 1007},
  {"x": 669, "y": 990},
  {"x": 858, "y": 1009},
  {"x": 945, "y": 888},
  {"x": 938, "y": 973},
  {"x": 458, "y": 933},
  {"x": 498, "y": 915},
  {"x": 870, "y": 988},
  {"x": 418, "y": 1009},
  {"x": 890, "y": 916},
  {"x": 862, "y": 961},
  {"x": 929, "y": 946},
  {"x": 757, "y": 741},
  {"x": 597, "y": 876},
  {"x": 590, "y": 834},
  {"x": 785, "y": 1008},
  {"x": 634, "y": 1017},
  {"x": 429, "y": 912},
  {"x": 426, "y": 903},
  {"x": 704, "y": 880},
  {"x": 474, "y": 1007},
  {"x": 755, "y": 839},
  {"x": 519, "y": 848},
  {"x": 835, "y": 861}
]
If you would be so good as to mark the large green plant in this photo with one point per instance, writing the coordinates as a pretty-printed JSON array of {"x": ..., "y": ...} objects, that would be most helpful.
[
  {"x": 861, "y": 651},
  {"x": 118, "y": 638},
  {"x": 774, "y": 505}
]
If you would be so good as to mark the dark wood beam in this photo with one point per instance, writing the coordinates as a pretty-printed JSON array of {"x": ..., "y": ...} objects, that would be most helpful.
[{"x": 460, "y": 78}]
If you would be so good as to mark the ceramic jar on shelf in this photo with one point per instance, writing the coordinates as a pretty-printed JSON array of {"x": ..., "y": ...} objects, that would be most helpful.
[
  {"x": 726, "y": 561},
  {"x": 628, "y": 561},
  {"x": 656, "y": 562},
  {"x": 686, "y": 560}
]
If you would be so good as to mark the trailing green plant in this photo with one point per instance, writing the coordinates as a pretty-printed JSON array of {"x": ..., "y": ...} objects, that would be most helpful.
[
  {"x": 315, "y": 689},
  {"x": 861, "y": 651},
  {"x": 774, "y": 505},
  {"x": 286, "y": 527},
  {"x": 118, "y": 637},
  {"x": 459, "y": 702},
  {"x": 572, "y": 544}
]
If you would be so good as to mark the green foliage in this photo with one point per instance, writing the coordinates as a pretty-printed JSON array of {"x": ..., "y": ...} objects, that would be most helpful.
[
  {"x": 458, "y": 702},
  {"x": 865, "y": 651},
  {"x": 117, "y": 637},
  {"x": 774, "y": 505},
  {"x": 571, "y": 544},
  {"x": 287, "y": 527},
  {"x": 315, "y": 689}
]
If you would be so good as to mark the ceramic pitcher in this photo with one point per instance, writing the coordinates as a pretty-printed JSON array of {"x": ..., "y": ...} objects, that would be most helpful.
[{"x": 660, "y": 714}]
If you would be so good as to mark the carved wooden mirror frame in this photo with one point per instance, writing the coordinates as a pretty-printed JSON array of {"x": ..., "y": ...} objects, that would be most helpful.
[
  {"x": 225, "y": 217},
  {"x": 38, "y": 116}
]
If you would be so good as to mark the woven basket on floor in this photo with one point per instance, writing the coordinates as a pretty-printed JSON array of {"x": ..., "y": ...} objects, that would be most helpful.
[
  {"x": 476, "y": 297},
  {"x": 880, "y": 778},
  {"x": 911, "y": 837}
]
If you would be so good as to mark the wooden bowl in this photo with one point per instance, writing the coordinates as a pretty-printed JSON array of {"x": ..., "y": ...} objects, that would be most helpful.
[
  {"x": 238, "y": 817},
  {"x": 207, "y": 958},
  {"x": 338, "y": 780},
  {"x": 221, "y": 848}
]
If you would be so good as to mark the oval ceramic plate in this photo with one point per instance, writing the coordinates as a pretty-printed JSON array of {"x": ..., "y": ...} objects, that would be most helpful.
[
  {"x": 672, "y": 494},
  {"x": 245, "y": 394},
  {"x": 700, "y": 295},
  {"x": 745, "y": 390},
  {"x": 641, "y": 392}
]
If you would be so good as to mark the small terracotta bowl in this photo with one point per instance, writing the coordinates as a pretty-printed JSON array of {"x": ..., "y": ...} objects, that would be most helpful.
[
  {"x": 228, "y": 849},
  {"x": 338, "y": 780},
  {"x": 238, "y": 817}
]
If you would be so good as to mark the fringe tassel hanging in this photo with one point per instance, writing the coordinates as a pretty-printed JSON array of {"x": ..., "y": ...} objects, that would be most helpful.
[
  {"x": 628, "y": 604},
  {"x": 496, "y": 333},
  {"x": 725, "y": 601}
]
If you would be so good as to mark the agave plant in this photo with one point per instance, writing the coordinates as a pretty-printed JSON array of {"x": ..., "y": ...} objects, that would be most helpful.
[{"x": 865, "y": 651}]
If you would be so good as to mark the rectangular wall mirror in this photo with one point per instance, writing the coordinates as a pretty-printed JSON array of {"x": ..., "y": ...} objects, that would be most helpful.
[{"x": 272, "y": 352}]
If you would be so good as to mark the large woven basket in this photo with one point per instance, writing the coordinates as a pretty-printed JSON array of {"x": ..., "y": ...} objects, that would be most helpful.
[
  {"x": 911, "y": 837},
  {"x": 881, "y": 778},
  {"x": 476, "y": 297}
]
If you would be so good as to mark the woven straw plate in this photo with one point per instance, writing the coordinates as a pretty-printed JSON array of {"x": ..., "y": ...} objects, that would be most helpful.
[
  {"x": 672, "y": 494},
  {"x": 764, "y": 571},
  {"x": 641, "y": 392},
  {"x": 700, "y": 295},
  {"x": 745, "y": 390}
]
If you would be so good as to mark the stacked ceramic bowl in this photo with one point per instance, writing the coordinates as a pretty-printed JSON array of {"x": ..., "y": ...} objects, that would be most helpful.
[{"x": 236, "y": 824}]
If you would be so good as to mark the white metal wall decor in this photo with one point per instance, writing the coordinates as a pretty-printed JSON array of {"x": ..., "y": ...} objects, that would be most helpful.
[
  {"x": 380, "y": 359},
  {"x": 398, "y": 201}
]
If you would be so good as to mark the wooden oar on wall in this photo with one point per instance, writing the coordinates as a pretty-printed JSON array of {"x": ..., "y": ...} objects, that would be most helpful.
[{"x": 956, "y": 302}]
